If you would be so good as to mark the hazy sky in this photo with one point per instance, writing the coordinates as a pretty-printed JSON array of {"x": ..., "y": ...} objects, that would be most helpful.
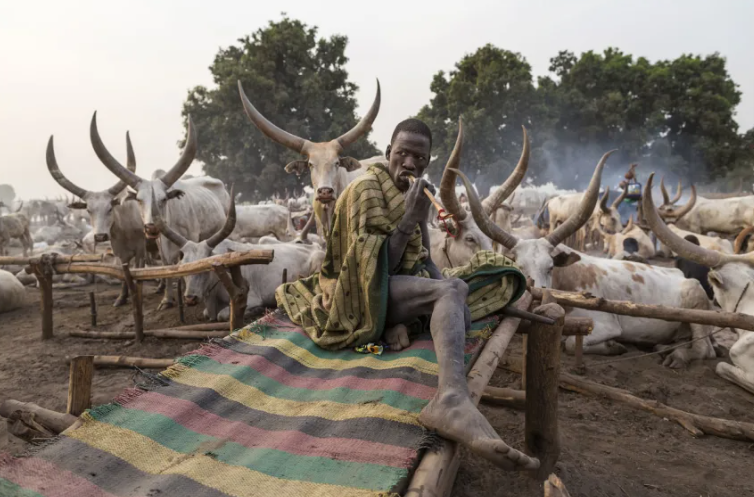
[{"x": 135, "y": 61}]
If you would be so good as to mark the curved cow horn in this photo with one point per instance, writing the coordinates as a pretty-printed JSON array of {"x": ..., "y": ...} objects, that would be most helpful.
[
  {"x": 130, "y": 164},
  {"x": 108, "y": 160},
  {"x": 738, "y": 244},
  {"x": 308, "y": 226},
  {"x": 166, "y": 230},
  {"x": 586, "y": 207},
  {"x": 630, "y": 225},
  {"x": 295, "y": 143},
  {"x": 57, "y": 174},
  {"x": 485, "y": 224},
  {"x": 511, "y": 183},
  {"x": 230, "y": 224},
  {"x": 682, "y": 211},
  {"x": 678, "y": 193},
  {"x": 620, "y": 198},
  {"x": 364, "y": 125},
  {"x": 603, "y": 200},
  {"x": 665, "y": 196},
  {"x": 186, "y": 158},
  {"x": 448, "y": 181}
]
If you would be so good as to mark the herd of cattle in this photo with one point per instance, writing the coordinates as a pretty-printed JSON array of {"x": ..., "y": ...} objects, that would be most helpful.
[{"x": 171, "y": 217}]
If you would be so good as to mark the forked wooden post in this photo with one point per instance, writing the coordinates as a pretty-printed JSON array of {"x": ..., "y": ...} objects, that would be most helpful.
[
  {"x": 237, "y": 290},
  {"x": 136, "y": 301},
  {"x": 80, "y": 385},
  {"x": 543, "y": 369},
  {"x": 43, "y": 272}
]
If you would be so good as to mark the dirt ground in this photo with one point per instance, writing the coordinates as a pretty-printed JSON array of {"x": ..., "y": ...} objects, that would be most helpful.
[{"x": 608, "y": 449}]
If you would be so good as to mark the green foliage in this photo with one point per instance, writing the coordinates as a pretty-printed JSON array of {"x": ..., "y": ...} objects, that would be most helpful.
[
  {"x": 297, "y": 81},
  {"x": 674, "y": 116}
]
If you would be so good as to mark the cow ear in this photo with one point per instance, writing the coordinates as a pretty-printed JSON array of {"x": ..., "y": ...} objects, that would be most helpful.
[
  {"x": 176, "y": 194},
  {"x": 298, "y": 166},
  {"x": 77, "y": 205},
  {"x": 350, "y": 164},
  {"x": 716, "y": 279},
  {"x": 561, "y": 258}
]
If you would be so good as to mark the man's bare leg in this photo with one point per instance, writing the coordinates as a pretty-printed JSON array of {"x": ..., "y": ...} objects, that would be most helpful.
[{"x": 450, "y": 412}]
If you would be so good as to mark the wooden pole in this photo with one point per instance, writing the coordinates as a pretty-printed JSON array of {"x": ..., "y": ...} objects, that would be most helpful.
[
  {"x": 573, "y": 326},
  {"x": 181, "y": 314},
  {"x": 120, "y": 361},
  {"x": 239, "y": 309},
  {"x": 285, "y": 275},
  {"x": 435, "y": 474},
  {"x": 126, "y": 335},
  {"x": 58, "y": 258},
  {"x": 542, "y": 368},
  {"x": 579, "y": 353},
  {"x": 186, "y": 334},
  {"x": 135, "y": 303},
  {"x": 53, "y": 420},
  {"x": 43, "y": 272},
  {"x": 93, "y": 309},
  {"x": 524, "y": 353},
  {"x": 505, "y": 397},
  {"x": 80, "y": 385},
  {"x": 715, "y": 318}
]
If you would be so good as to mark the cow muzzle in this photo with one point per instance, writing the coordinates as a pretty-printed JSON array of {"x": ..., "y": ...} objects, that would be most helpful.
[
  {"x": 151, "y": 231},
  {"x": 191, "y": 300},
  {"x": 325, "y": 195},
  {"x": 101, "y": 237}
]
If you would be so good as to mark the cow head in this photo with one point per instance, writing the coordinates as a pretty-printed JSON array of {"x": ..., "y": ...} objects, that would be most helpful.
[
  {"x": 607, "y": 219},
  {"x": 99, "y": 205},
  {"x": 672, "y": 213},
  {"x": 667, "y": 203},
  {"x": 324, "y": 160},
  {"x": 146, "y": 192},
  {"x": 469, "y": 239},
  {"x": 197, "y": 285},
  {"x": 538, "y": 257},
  {"x": 730, "y": 274}
]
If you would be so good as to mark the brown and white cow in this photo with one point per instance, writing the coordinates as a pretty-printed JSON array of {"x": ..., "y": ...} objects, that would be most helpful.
[
  {"x": 731, "y": 277},
  {"x": 552, "y": 265}
]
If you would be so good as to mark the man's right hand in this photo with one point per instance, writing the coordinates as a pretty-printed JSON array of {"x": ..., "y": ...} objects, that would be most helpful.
[{"x": 417, "y": 202}]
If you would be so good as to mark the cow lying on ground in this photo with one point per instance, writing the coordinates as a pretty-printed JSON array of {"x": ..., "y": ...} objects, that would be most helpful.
[
  {"x": 298, "y": 260},
  {"x": 551, "y": 265},
  {"x": 12, "y": 292},
  {"x": 631, "y": 240}
]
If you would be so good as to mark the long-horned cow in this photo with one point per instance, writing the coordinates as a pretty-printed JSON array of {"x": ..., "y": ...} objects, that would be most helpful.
[
  {"x": 731, "y": 276},
  {"x": 15, "y": 225},
  {"x": 331, "y": 172},
  {"x": 549, "y": 264},
  {"x": 193, "y": 207},
  {"x": 262, "y": 280},
  {"x": 451, "y": 251},
  {"x": 112, "y": 220}
]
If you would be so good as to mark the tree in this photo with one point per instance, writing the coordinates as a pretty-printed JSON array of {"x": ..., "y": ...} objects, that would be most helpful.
[
  {"x": 298, "y": 81},
  {"x": 7, "y": 194},
  {"x": 492, "y": 90}
]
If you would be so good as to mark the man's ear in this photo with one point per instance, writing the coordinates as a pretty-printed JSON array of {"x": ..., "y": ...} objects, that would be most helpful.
[
  {"x": 350, "y": 164},
  {"x": 561, "y": 258},
  {"x": 176, "y": 194},
  {"x": 298, "y": 166},
  {"x": 77, "y": 205},
  {"x": 387, "y": 152}
]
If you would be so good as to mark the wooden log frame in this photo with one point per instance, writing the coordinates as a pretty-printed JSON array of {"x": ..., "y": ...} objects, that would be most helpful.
[
  {"x": 162, "y": 333},
  {"x": 696, "y": 424},
  {"x": 586, "y": 301},
  {"x": 80, "y": 385},
  {"x": 56, "y": 422},
  {"x": 59, "y": 258},
  {"x": 435, "y": 474},
  {"x": 120, "y": 361},
  {"x": 43, "y": 268}
]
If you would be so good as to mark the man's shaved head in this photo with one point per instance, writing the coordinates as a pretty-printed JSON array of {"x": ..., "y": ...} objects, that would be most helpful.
[{"x": 412, "y": 126}]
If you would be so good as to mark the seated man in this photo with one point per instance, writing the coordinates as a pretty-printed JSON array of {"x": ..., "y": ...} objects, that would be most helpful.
[{"x": 378, "y": 277}]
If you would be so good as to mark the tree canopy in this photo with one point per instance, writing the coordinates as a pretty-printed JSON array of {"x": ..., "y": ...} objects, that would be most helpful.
[
  {"x": 672, "y": 116},
  {"x": 296, "y": 80}
]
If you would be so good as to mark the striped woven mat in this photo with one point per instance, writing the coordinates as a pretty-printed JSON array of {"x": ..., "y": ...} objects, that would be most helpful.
[{"x": 264, "y": 413}]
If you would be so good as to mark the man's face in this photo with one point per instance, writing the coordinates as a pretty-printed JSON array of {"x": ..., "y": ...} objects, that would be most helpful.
[{"x": 408, "y": 155}]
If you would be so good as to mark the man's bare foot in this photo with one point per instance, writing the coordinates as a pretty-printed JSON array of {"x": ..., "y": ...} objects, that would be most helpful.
[
  {"x": 455, "y": 417},
  {"x": 397, "y": 337}
]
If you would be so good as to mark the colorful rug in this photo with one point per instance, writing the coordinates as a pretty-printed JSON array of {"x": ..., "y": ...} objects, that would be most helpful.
[{"x": 263, "y": 413}]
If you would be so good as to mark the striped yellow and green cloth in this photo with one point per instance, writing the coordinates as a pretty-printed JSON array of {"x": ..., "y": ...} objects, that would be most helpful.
[
  {"x": 264, "y": 413},
  {"x": 346, "y": 303}
]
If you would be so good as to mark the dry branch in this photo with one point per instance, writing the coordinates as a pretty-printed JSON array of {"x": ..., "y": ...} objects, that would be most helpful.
[
  {"x": 715, "y": 318},
  {"x": 505, "y": 397},
  {"x": 186, "y": 334},
  {"x": 53, "y": 420},
  {"x": 437, "y": 470},
  {"x": 695, "y": 423},
  {"x": 116, "y": 335}
]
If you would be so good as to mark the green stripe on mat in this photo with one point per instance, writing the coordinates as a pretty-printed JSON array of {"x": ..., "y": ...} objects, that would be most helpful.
[
  {"x": 279, "y": 464},
  {"x": 251, "y": 377},
  {"x": 10, "y": 489}
]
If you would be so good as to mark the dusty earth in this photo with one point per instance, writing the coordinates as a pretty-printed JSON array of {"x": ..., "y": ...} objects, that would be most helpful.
[{"x": 608, "y": 449}]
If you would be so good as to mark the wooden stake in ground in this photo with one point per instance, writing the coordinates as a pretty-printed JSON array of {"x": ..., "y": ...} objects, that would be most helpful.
[
  {"x": 93, "y": 309},
  {"x": 542, "y": 368},
  {"x": 236, "y": 292},
  {"x": 136, "y": 303},
  {"x": 80, "y": 385},
  {"x": 181, "y": 314},
  {"x": 43, "y": 272}
]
